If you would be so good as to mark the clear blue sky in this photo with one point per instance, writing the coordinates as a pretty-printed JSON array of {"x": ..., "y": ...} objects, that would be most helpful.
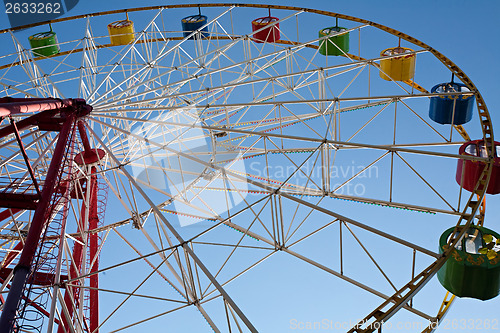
[{"x": 464, "y": 31}]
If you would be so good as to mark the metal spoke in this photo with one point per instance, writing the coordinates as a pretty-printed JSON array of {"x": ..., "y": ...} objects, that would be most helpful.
[{"x": 207, "y": 160}]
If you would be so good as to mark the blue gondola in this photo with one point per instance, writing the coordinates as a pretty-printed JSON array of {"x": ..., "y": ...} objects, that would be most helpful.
[
  {"x": 193, "y": 23},
  {"x": 451, "y": 109}
]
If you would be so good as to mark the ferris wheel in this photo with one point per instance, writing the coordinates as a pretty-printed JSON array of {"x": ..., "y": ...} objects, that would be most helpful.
[{"x": 237, "y": 168}]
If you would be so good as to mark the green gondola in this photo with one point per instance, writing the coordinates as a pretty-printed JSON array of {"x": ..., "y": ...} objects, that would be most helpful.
[
  {"x": 44, "y": 44},
  {"x": 473, "y": 269},
  {"x": 336, "y": 44}
]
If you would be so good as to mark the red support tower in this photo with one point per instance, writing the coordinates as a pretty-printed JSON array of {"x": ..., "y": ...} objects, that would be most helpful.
[
  {"x": 72, "y": 295},
  {"x": 93, "y": 251},
  {"x": 50, "y": 115},
  {"x": 87, "y": 160}
]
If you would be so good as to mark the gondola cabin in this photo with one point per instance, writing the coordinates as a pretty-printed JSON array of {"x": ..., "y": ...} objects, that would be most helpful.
[
  {"x": 121, "y": 32},
  {"x": 337, "y": 43},
  {"x": 468, "y": 171},
  {"x": 270, "y": 34},
  {"x": 399, "y": 65},
  {"x": 473, "y": 269},
  {"x": 44, "y": 44},
  {"x": 451, "y": 109},
  {"x": 193, "y": 23}
]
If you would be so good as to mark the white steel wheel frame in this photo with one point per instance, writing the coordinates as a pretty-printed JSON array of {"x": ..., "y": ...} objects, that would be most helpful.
[{"x": 195, "y": 237}]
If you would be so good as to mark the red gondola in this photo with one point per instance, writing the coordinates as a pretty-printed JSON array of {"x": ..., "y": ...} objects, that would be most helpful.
[
  {"x": 270, "y": 34},
  {"x": 468, "y": 171}
]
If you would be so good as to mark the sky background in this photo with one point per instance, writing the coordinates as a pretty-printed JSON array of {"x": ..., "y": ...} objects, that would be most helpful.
[{"x": 464, "y": 31}]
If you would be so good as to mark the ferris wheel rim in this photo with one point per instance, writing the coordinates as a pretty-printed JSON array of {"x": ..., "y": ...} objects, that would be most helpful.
[
  {"x": 445, "y": 61},
  {"x": 487, "y": 130}
]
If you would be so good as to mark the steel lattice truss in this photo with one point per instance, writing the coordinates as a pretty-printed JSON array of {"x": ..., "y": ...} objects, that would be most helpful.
[{"x": 233, "y": 168}]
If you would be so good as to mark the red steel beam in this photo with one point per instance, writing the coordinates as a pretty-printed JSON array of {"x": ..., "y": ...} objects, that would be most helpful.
[
  {"x": 19, "y": 201},
  {"x": 25, "y": 105},
  {"x": 40, "y": 219},
  {"x": 88, "y": 156},
  {"x": 25, "y": 156},
  {"x": 93, "y": 238},
  {"x": 93, "y": 251},
  {"x": 73, "y": 303},
  {"x": 36, "y": 306},
  {"x": 9, "y": 258},
  {"x": 38, "y": 278},
  {"x": 28, "y": 122},
  {"x": 45, "y": 116},
  {"x": 8, "y": 213}
]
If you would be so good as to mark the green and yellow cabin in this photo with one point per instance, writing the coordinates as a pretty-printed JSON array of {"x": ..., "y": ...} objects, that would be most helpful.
[{"x": 473, "y": 269}]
